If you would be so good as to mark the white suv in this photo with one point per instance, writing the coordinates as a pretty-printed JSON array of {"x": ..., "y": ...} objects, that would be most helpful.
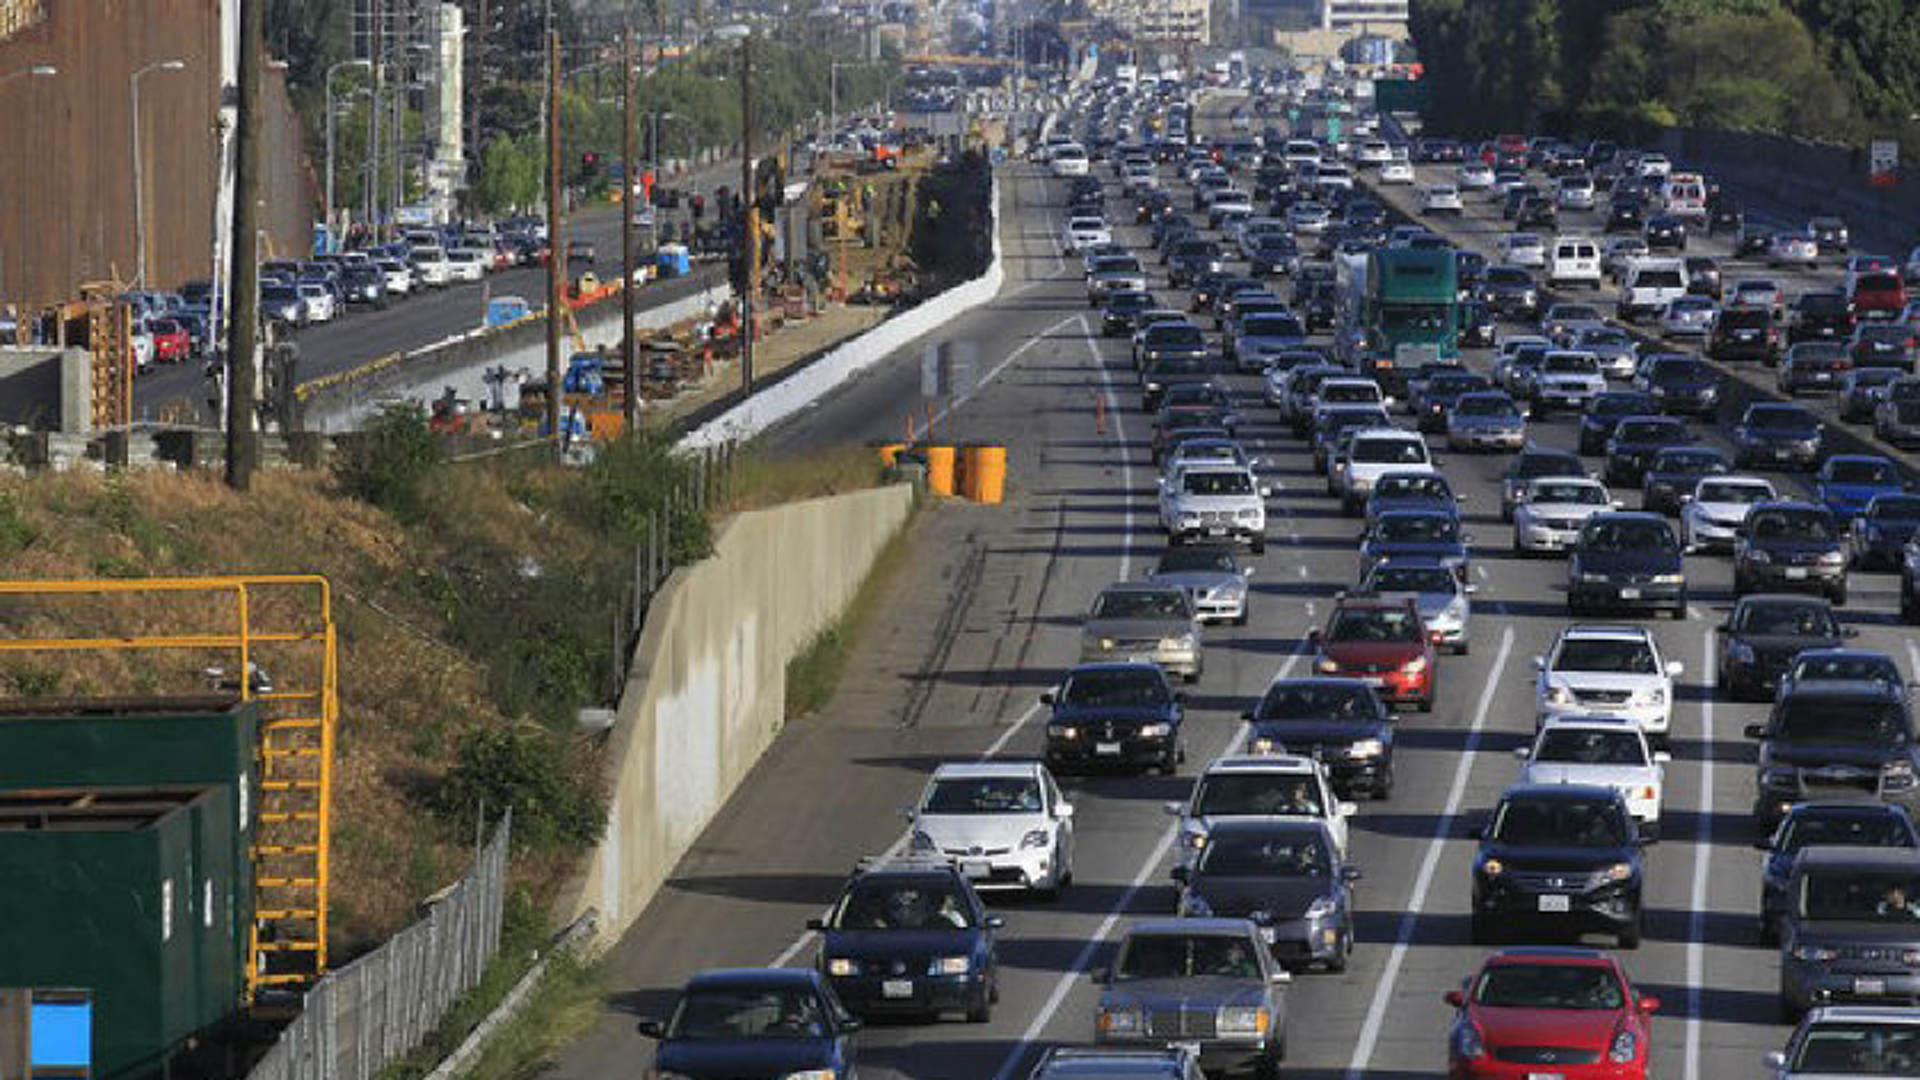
[
  {"x": 1605, "y": 751},
  {"x": 1614, "y": 669},
  {"x": 1574, "y": 260},
  {"x": 1258, "y": 786},
  {"x": 1214, "y": 500},
  {"x": 1005, "y": 824},
  {"x": 1649, "y": 285},
  {"x": 1371, "y": 454}
]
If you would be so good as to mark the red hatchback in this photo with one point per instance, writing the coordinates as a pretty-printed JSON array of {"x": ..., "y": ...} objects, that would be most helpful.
[
  {"x": 171, "y": 342},
  {"x": 1383, "y": 642},
  {"x": 1877, "y": 294},
  {"x": 1570, "y": 1013}
]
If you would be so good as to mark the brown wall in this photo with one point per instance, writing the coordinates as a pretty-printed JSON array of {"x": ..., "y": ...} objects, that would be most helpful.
[{"x": 66, "y": 178}]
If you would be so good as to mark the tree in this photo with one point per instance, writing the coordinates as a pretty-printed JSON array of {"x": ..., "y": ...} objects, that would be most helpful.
[{"x": 511, "y": 174}]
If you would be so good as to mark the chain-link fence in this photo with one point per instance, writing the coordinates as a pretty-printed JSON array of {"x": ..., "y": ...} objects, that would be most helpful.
[{"x": 359, "y": 1019}]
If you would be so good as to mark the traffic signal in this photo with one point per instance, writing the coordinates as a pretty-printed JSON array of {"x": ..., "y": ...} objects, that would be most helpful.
[{"x": 589, "y": 160}]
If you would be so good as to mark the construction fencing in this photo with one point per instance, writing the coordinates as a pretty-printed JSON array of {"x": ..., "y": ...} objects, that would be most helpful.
[{"x": 365, "y": 1016}]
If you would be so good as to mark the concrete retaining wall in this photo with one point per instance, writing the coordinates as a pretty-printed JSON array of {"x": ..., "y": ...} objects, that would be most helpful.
[
  {"x": 1806, "y": 177},
  {"x": 47, "y": 389},
  {"x": 706, "y": 691},
  {"x": 787, "y": 397},
  {"x": 460, "y": 362}
]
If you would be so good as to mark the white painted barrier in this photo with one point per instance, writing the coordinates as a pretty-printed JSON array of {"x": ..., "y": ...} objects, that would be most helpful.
[{"x": 787, "y": 397}]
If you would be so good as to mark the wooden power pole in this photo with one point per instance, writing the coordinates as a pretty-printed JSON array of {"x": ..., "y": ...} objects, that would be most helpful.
[
  {"x": 556, "y": 246},
  {"x": 749, "y": 216},
  {"x": 243, "y": 274},
  {"x": 629, "y": 176}
]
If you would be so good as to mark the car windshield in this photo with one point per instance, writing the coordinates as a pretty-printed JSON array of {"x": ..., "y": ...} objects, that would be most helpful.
[
  {"x": 1779, "y": 419},
  {"x": 1848, "y": 721},
  {"x": 1851, "y": 667},
  {"x": 1456, "y": 383},
  {"x": 1569, "y": 364},
  {"x": 1789, "y": 619},
  {"x": 1400, "y": 317},
  {"x": 1142, "y": 604},
  {"x": 1186, "y": 560},
  {"x": 1255, "y": 794},
  {"x": 1883, "y": 830},
  {"x": 1735, "y": 493},
  {"x": 1108, "y": 687},
  {"x": 1181, "y": 956},
  {"x": 743, "y": 1013},
  {"x": 1689, "y": 461},
  {"x": 1789, "y": 525},
  {"x": 1548, "y": 986},
  {"x": 1412, "y": 579},
  {"x": 1174, "y": 334},
  {"x": 1628, "y": 534},
  {"x": 1862, "y": 472},
  {"x": 1509, "y": 275},
  {"x": 1485, "y": 405},
  {"x": 1895, "y": 508},
  {"x": 1568, "y": 313},
  {"x": 1650, "y": 431},
  {"x": 1621, "y": 405},
  {"x": 1531, "y": 466},
  {"x": 1679, "y": 371},
  {"x": 1891, "y": 333},
  {"x": 1301, "y": 854},
  {"x": 1559, "y": 822},
  {"x": 1317, "y": 701},
  {"x": 1615, "y": 656},
  {"x": 1388, "y": 452},
  {"x": 1272, "y": 326},
  {"x": 1411, "y": 487},
  {"x": 917, "y": 904},
  {"x": 1374, "y": 624},
  {"x": 1417, "y": 529},
  {"x": 1578, "y": 494},
  {"x": 1347, "y": 393},
  {"x": 1590, "y": 746},
  {"x": 1857, "y": 1048},
  {"x": 1860, "y": 894},
  {"x": 1217, "y": 482},
  {"x": 984, "y": 795}
]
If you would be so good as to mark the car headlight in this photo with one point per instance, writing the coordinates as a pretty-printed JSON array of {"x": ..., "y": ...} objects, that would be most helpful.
[
  {"x": 1261, "y": 745},
  {"x": 1120, "y": 1021},
  {"x": 1157, "y": 730},
  {"x": 1593, "y": 579},
  {"x": 1910, "y": 957},
  {"x": 666, "y": 1075},
  {"x": 1669, "y": 579},
  {"x": 1492, "y": 868},
  {"x": 1067, "y": 732},
  {"x": 949, "y": 965},
  {"x": 1242, "y": 1020},
  {"x": 1367, "y": 748},
  {"x": 1897, "y": 774},
  {"x": 1326, "y": 665},
  {"x": 1183, "y": 641},
  {"x": 921, "y": 841},
  {"x": 1195, "y": 839},
  {"x": 1414, "y": 666},
  {"x": 1833, "y": 558},
  {"x": 1617, "y": 872},
  {"x": 1106, "y": 643},
  {"x": 1467, "y": 1042},
  {"x": 1655, "y": 696},
  {"x": 812, "y": 1074},
  {"x": 841, "y": 966},
  {"x": 1321, "y": 908},
  {"x": 1036, "y": 838},
  {"x": 1559, "y": 695},
  {"x": 1813, "y": 953},
  {"x": 1625, "y": 1045},
  {"x": 1778, "y": 777},
  {"x": 1193, "y": 905}
]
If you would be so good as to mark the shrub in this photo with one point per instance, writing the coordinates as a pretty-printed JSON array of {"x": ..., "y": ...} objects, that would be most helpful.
[
  {"x": 389, "y": 463},
  {"x": 637, "y": 476},
  {"x": 555, "y": 803}
]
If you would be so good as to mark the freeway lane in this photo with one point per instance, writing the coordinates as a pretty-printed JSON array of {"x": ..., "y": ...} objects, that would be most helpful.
[
  {"x": 984, "y": 616},
  {"x": 423, "y": 319}
]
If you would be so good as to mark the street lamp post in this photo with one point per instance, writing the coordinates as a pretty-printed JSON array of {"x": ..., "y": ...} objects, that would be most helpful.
[
  {"x": 139, "y": 171},
  {"x": 329, "y": 105},
  {"x": 749, "y": 217}
]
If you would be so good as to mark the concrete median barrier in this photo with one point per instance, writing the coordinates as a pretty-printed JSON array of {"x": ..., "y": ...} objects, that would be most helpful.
[{"x": 705, "y": 694}]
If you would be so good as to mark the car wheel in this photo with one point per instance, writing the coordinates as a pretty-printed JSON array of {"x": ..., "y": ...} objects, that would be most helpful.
[
  {"x": 1337, "y": 963},
  {"x": 1839, "y": 595},
  {"x": 1909, "y": 610},
  {"x": 1383, "y": 786},
  {"x": 1259, "y": 547},
  {"x": 1630, "y": 934},
  {"x": 981, "y": 1011},
  {"x": 1240, "y": 619},
  {"x": 1424, "y": 705},
  {"x": 1463, "y": 648},
  {"x": 1769, "y": 933},
  {"x": 1482, "y": 931},
  {"x": 1789, "y": 1012}
]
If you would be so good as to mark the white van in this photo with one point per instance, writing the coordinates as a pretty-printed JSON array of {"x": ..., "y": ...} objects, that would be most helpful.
[
  {"x": 1684, "y": 195},
  {"x": 1069, "y": 160},
  {"x": 1574, "y": 260},
  {"x": 1648, "y": 285}
]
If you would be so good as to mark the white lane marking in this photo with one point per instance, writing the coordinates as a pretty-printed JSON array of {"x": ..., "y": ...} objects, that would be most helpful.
[
  {"x": 1423, "y": 881},
  {"x": 994, "y": 371},
  {"x": 1120, "y": 439},
  {"x": 1062, "y": 986},
  {"x": 1702, "y": 867},
  {"x": 1913, "y": 660}
]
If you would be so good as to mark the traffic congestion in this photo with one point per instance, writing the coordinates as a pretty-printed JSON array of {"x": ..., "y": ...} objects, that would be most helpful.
[{"x": 1519, "y": 450}]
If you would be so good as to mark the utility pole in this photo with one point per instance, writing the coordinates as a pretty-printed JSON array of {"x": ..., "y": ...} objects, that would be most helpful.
[
  {"x": 556, "y": 246},
  {"x": 629, "y": 175},
  {"x": 376, "y": 41},
  {"x": 243, "y": 274},
  {"x": 749, "y": 215}
]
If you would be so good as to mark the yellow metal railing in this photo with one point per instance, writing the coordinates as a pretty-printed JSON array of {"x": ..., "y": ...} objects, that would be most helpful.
[{"x": 287, "y": 940}]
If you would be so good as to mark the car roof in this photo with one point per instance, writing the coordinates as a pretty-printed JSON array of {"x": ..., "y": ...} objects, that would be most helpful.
[
  {"x": 1563, "y": 791},
  {"x": 1604, "y": 631},
  {"x": 1794, "y": 599},
  {"x": 1253, "y": 763},
  {"x": 1236, "y": 927},
  {"x": 1843, "y": 689},
  {"x": 962, "y": 769},
  {"x": 1104, "y": 1061},
  {"x": 1535, "y": 954},
  {"x": 1268, "y": 826},
  {"x": 1589, "y": 720},
  {"x": 1878, "y": 1014},
  {"x": 1853, "y": 807},
  {"x": 1822, "y": 856},
  {"x": 751, "y": 977}
]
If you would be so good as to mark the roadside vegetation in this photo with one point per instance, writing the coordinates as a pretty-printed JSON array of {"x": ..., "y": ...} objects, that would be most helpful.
[{"x": 815, "y": 672}]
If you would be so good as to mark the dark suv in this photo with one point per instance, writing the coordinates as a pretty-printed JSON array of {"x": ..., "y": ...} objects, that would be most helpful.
[
  {"x": 1778, "y": 433},
  {"x": 1851, "y": 932},
  {"x": 1566, "y": 855},
  {"x": 1340, "y": 723},
  {"x": 1791, "y": 547},
  {"x": 891, "y": 918},
  {"x": 1744, "y": 334},
  {"x": 1823, "y": 825},
  {"x": 1819, "y": 316},
  {"x": 1635, "y": 441},
  {"x": 1760, "y": 639},
  {"x": 1626, "y": 559},
  {"x": 1834, "y": 740}
]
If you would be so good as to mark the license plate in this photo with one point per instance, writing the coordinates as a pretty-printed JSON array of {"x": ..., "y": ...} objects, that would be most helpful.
[
  {"x": 1141, "y": 658},
  {"x": 1556, "y": 903},
  {"x": 1216, "y": 530},
  {"x": 1629, "y": 594},
  {"x": 1546, "y": 1076},
  {"x": 976, "y": 868},
  {"x": 897, "y": 988},
  {"x": 1106, "y": 748},
  {"x": 1873, "y": 987},
  {"x": 1796, "y": 573}
]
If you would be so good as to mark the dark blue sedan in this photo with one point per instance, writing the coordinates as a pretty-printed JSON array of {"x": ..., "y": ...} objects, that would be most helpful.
[
  {"x": 1846, "y": 483},
  {"x": 755, "y": 1024},
  {"x": 1881, "y": 532}
]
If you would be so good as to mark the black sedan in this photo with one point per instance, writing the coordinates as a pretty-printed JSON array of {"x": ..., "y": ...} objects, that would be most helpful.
[
  {"x": 1787, "y": 546},
  {"x": 1564, "y": 856},
  {"x": 1604, "y": 411},
  {"x": 1665, "y": 231},
  {"x": 1114, "y": 715},
  {"x": 1674, "y": 472},
  {"x": 911, "y": 937},
  {"x": 1778, "y": 433},
  {"x": 1763, "y": 635},
  {"x": 755, "y": 1022},
  {"x": 1826, "y": 824},
  {"x": 1626, "y": 559},
  {"x": 1683, "y": 385},
  {"x": 1341, "y": 723},
  {"x": 1635, "y": 441}
]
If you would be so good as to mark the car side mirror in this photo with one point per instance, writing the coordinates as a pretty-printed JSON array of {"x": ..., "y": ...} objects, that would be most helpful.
[
  {"x": 1174, "y": 809},
  {"x": 1046, "y": 698},
  {"x": 1313, "y": 637},
  {"x": 1346, "y": 809},
  {"x": 1756, "y": 731},
  {"x": 1350, "y": 874},
  {"x": 996, "y": 922},
  {"x": 653, "y": 1029},
  {"x": 1470, "y": 588},
  {"x": 1649, "y": 1003},
  {"x": 1179, "y": 874},
  {"x": 1539, "y": 663},
  {"x": 1662, "y": 757},
  {"x": 1765, "y": 843},
  {"x": 1618, "y": 504},
  {"x": 1774, "y": 1059},
  {"x": 1280, "y": 977},
  {"x": 1246, "y": 571},
  {"x": 1675, "y": 668},
  {"x": 1690, "y": 549},
  {"x": 816, "y": 924},
  {"x": 909, "y": 812},
  {"x": 1456, "y": 999},
  {"x": 1101, "y": 976},
  {"x": 1063, "y": 811}
]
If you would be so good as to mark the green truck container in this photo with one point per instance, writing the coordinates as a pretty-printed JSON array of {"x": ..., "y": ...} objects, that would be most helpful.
[
  {"x": 132, "y": 901},
  {"x": 1399, "y": 309}
]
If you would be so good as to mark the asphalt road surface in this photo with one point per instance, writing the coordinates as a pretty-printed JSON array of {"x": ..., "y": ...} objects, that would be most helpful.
[{"x": 985, "y": 617}]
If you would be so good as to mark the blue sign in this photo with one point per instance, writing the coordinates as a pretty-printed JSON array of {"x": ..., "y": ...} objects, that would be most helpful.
[{"x": 62, "y": 1035}]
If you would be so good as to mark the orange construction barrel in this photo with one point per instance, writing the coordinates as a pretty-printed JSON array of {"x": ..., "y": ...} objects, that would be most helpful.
[
  {"x": 890, "y": 451},
  {"x": 940, "y": 462},
  {"x": 986, "y": 473}
]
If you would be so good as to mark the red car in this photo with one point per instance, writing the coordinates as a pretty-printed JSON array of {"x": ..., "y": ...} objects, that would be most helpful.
[
  {"x": 1383, "y": 642},
  {"x": 1877, "y": 293},
  {"x": 1570, "y": 1013},
  {"x": 171, "y": 342}
]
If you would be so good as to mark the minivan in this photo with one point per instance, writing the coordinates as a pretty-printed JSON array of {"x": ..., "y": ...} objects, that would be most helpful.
[
  {"x": 1574, "y": 260},
  {"x": 1648, "y": 285}
]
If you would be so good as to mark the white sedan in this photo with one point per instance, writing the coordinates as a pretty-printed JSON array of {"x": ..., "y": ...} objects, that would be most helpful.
[
  {"x": 1005, "y": 823},
  {"x": 1396, "y": 171},
  {"x": 1711, "y": 515},
  {"x": 1524, "y": 249},
  {"x": 1441, "y": 199},
  {"x": 1474, "y": 175},
  {"x": 1084, "y": 232},
  {"x": 1553, "y": 510},
  {"x": 1604, "y": 751}
]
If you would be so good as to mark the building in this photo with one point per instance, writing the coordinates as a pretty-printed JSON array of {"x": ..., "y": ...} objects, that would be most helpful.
[
  {"x": 1157, "y": 20},
  {"x": 1375, "y": 16}
]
